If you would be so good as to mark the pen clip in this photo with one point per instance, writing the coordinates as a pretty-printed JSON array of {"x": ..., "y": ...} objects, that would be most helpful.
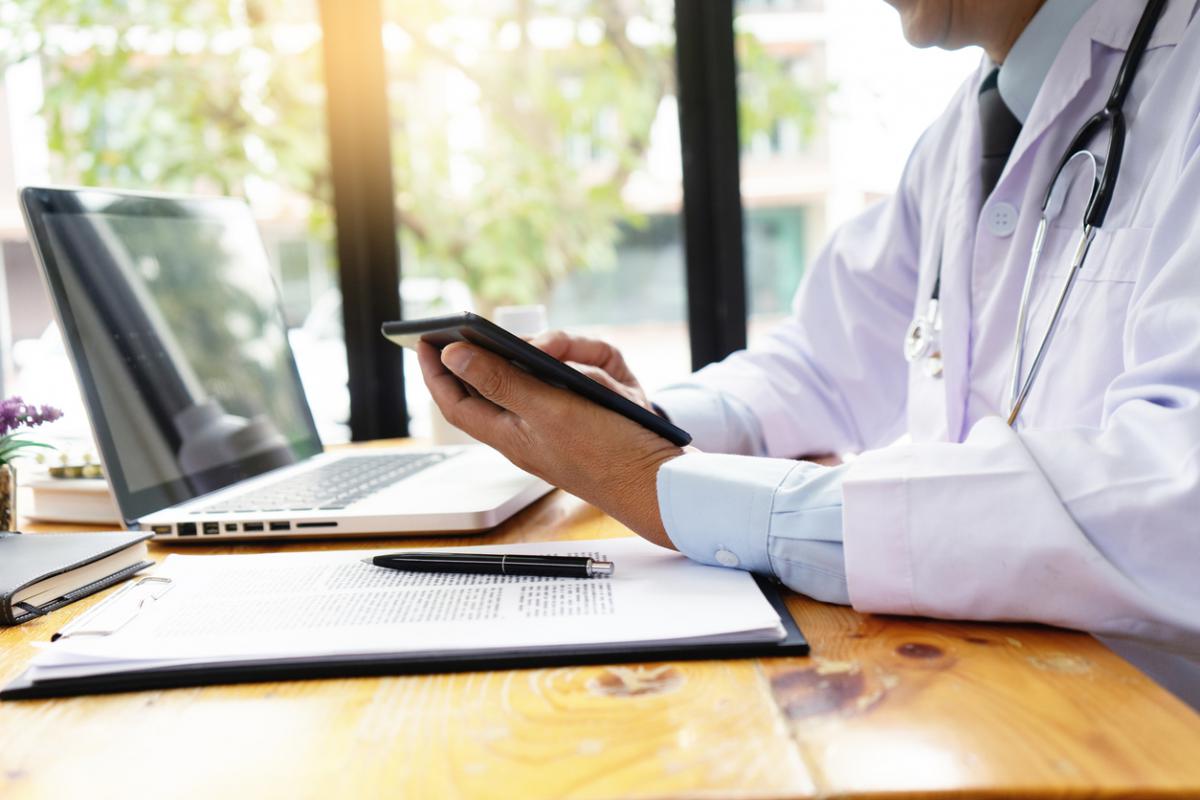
[{"x": 117, "y": 611}]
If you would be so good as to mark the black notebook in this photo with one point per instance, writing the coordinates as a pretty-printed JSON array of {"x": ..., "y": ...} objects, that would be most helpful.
[{"x": 40, "y": 572}]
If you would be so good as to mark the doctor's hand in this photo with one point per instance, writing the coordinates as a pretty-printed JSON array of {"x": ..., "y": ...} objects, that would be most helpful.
[{"x": 573, "y": 443}]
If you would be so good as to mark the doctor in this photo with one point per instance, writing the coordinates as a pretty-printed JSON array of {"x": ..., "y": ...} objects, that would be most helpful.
[{"x": 1085, "y": 510}]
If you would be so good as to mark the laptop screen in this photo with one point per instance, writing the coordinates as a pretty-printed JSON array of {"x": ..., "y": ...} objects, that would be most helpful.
[{"x": 174, "y": 324}]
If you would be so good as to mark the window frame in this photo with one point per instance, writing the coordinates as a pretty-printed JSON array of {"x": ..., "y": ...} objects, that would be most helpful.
[{"x": 368, "y": 256}]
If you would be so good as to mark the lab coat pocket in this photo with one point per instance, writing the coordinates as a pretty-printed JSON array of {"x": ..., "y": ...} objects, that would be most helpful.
[
  {"x": 1116, "y": 254},
  {"x": 1086, "y": 353}
]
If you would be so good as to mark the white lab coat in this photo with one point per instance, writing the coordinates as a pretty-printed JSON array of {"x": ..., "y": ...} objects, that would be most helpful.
[{"x": 1088, "y": 515}]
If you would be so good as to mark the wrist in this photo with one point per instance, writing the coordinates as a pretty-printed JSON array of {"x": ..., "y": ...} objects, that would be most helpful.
[
  {"x": 636, "y": 503},
  {"x": 655, "y": 529}
]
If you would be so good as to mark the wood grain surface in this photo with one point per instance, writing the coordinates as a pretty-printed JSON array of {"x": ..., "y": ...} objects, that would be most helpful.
[{"x": 891, "y": 707}]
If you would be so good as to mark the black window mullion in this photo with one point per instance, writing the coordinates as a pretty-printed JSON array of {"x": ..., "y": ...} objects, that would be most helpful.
[
  {"x": 364, "y": 212},
  {"x": 712, "y": 202}
]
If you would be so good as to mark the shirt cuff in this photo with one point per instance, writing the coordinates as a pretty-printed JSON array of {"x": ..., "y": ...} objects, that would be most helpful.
[{"x": 717, "y": 508}]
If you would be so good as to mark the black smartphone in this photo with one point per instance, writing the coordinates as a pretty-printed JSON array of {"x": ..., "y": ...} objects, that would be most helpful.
[{"x": 468, "y": 327}]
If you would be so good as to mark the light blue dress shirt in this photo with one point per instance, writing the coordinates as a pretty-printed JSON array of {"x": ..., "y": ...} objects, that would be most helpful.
[
  {"x": 1029, "y": 61},
  {"x": 731, "y": 507}
]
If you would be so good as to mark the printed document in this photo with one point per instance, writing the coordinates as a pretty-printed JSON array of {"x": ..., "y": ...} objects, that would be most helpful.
[{"x": 201, "y": 609}]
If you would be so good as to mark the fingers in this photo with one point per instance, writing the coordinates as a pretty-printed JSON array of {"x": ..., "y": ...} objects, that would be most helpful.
[
  {"x": 583, "y": 350},
  {"x": 479, "y": 417},
  {"x": 440, "y": 381},
  {"x": 554, "y": 343},
  {"x": 502, "y": 383},
  {"x": 601, "y": 377}
]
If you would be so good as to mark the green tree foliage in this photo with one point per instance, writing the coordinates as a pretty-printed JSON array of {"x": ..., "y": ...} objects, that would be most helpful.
[
  {"x": 175, "y": 95},
  {"x": 511, "y": 154}
]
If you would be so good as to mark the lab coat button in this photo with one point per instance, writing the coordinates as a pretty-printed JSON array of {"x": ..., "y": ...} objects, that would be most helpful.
[
  {"x": 726, "y": 558},
  {"x": 1002, "y": 219}
]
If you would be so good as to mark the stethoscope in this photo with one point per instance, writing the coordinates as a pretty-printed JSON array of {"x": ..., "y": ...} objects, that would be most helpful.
[{"x": 922, "y": 342}]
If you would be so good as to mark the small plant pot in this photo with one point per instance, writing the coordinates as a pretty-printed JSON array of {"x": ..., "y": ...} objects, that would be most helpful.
[{"x": 8, "y": 497}]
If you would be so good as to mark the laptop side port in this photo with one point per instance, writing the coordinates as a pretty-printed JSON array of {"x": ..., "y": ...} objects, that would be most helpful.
[
  {"x": 281, "y": 526},
  {"x": 330, "y": 524},
  {"x": 211, "y": 527},
  {"x": 161, "y": 530},
  {"x": 252, "y": 526},
  {"x": 186, "y": 529}
]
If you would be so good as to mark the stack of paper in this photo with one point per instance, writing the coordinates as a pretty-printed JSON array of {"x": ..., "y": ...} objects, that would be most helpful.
[{"x": 198, "y": 610}]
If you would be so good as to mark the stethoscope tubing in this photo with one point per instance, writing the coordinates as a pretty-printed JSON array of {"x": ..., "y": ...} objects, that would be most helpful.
[
  {"x": 1051, "y": 208},
  {"x": 1104, "y": 186},
  {"x": 1104, "y": 183},
  {"x": 1081, "y": 250}
]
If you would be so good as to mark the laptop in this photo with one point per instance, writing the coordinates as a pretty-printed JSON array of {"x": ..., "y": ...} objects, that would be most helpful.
[{"x": 175, "y": 328}]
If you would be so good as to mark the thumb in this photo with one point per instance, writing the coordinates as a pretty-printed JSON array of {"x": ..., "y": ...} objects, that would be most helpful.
[{"x": 498, "y": 380}]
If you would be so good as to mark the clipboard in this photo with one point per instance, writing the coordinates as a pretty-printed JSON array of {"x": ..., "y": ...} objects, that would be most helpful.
[
  {"x": 124, "y": 605},
  {"x": 117, "y": 611}
]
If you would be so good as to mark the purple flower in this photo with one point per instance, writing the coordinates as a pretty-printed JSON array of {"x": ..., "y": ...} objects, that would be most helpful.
[{"x": 15, "y": 413}]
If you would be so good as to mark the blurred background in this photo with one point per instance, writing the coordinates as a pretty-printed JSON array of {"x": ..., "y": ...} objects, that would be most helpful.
[{"x": 535, "y": 155}]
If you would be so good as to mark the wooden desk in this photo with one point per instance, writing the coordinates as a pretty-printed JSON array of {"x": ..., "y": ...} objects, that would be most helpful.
[{"x": 885, "y": 706}]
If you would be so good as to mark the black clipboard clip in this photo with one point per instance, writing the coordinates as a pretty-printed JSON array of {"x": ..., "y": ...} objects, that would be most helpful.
[{"x": 117, "y": 611}]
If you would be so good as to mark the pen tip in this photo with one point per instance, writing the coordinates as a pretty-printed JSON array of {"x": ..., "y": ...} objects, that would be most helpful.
[{"x": 368, "y": 560}]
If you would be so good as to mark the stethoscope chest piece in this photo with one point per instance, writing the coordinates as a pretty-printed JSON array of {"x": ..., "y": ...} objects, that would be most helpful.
[
  {"x": 923, "y": 342},
  {"x": 933, "y": 364}
]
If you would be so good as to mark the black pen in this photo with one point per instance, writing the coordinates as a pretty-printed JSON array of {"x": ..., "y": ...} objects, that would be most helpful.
[{"x": 538, "y": 566}]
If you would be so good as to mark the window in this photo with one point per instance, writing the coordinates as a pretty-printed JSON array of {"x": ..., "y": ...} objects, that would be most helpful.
[
  {"x": 534, "y": 147},
  {"x": 832, "y": 100},
  {"x": 536, "y": 160},
  {"x": 192, "y": 97}
]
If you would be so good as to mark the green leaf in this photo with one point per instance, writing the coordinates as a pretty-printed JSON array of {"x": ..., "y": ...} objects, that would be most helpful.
[{"x": 12, "y": 448}]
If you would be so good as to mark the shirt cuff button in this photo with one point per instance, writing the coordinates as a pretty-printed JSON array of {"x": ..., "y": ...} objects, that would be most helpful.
[{"x": 726, "y": 558}]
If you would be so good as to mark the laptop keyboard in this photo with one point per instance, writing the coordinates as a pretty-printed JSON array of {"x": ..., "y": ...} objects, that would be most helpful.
[{"x": 331, "y": 486}]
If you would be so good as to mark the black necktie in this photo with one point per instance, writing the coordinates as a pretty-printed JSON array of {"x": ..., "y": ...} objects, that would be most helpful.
[{"x": 1000, "y": 131}]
